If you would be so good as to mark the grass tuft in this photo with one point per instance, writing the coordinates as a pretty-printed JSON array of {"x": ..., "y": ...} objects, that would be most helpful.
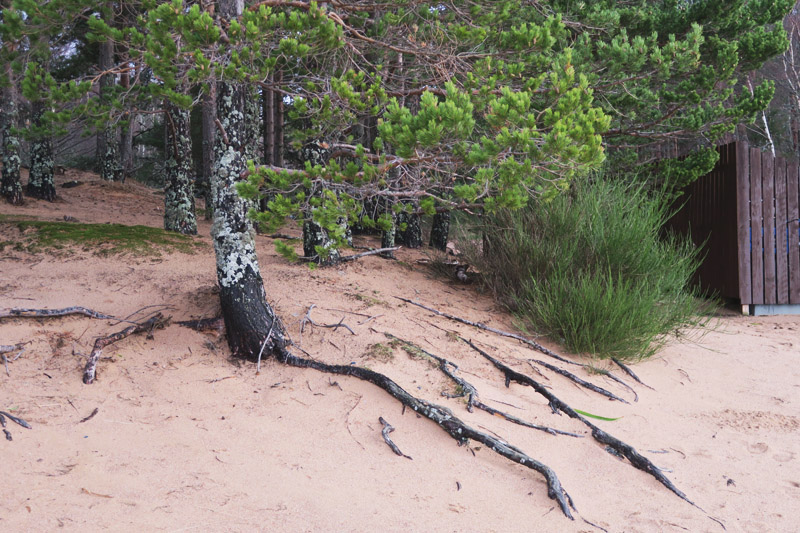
[{"x": 592, "y": 269}]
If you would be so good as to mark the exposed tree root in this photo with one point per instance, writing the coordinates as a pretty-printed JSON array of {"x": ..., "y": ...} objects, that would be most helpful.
[
  {"x": 471, "y": 393},
  {"x": 444, "y": 418},
  {"x": 557, "y": 405},
  {"x": 45, "y": 313},
  {"x": 90, "y": 371},
  {"x": 625, "y": 368},
  {"x": 540, "y": 348},
  {"x": 204, "y": 324},
  {"x": 388, "y": 428},
  {"x": 479, "y": 325},
  {"x": 583, "y": 383}
]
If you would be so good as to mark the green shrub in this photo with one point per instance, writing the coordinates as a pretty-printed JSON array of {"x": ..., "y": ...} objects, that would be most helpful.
[{"x": 592, "y": 268}]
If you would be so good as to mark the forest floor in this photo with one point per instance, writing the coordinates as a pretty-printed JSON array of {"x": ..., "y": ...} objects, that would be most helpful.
[{"x": 186, "y": 439}]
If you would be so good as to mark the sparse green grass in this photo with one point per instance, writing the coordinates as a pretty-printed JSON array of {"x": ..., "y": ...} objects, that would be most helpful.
[
  {"x": 102, "y": 239},
  {"x": 380, "y": 352}
]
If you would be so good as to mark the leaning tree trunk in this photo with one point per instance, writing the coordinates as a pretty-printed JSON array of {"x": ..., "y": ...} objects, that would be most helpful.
[
  {"x": 250, "y": 323},
  {"x": 10, "y": 186},
  {"x": 440, "y": 230},
  {"x": 178, "y": 195},
  {"x": 40, "y": 178}
]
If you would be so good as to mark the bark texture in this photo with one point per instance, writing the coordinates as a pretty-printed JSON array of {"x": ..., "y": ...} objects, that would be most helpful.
[
  {"x": 250, "y": 322},
  {"x": 10, "y": 186},
  {"x": 440, "y": 230},
  {"x": 40, "y": 179},
  {"x": 107, "y": 154},
  {"x": 179, "y": 212},
  {"x": 409, "y": 232},
  {"x": 209, "y": 113}
]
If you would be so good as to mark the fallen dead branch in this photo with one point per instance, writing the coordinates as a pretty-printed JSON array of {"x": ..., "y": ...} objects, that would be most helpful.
[
  {"x": 388, "y": 428},
  {"x": 376, "y": 251},
  {"x": 444, "y": 418},
  {"x": 90, "y": 371},
  {"x": 47, "y": 313},
  {"x": 3, "y": 424},
  {"x": 308, "y": 320},
  {"x": 6, "y": 348},
  {"x": 91, "y": 415}
]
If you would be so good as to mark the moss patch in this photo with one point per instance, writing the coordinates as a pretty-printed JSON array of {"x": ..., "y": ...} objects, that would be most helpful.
[{"x": 102, "y": 239}]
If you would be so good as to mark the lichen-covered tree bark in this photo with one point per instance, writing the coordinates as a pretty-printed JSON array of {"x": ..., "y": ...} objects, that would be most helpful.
[
  {"x": 40, "y": 179},
  {"x": 107, "y": 153},
  {"x": 179, "y": 212},
  {"x": 209, "y": 113},
  {"x": 10, "y": 186},
  {"x": 409, "y": 232},
  {"x": 250, "y": 323},
  {"x": 440, "y": 230}
]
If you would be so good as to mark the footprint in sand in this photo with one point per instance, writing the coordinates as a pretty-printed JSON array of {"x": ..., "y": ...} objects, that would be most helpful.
[
  {"x": 783, "y": 457},
  {"x": 758, "y": 448}
]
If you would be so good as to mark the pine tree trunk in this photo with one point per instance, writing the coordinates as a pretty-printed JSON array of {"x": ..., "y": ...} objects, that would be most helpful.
[
  {"x": 126, "y": 135},
  {"x": 178, "y": 195},
  {"x": 250, "y": 322},
  {"x": 388, "y": 236},
  {"x": 409, "y": 232},
  {"x": 107, "y": 139},
  {"x": 318, "y": 245},
  {"x": 209, "y": 132},
  {"x": 10, "y": 186},
  {"x": 440, "y": 230},
  {"x": 40, "y": 178}
]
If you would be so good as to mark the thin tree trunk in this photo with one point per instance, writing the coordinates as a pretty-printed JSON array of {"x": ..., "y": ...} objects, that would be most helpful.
[
  {"x": 268, "y": 122},
  {"x": 40, "y": 178},
  {"x": 209, "y": 109},
  {"x": 178, "y": 195},
  {"x": 440, "y": 230},
  {"x": 388, "y": 235},
  {"x": 10, "y": 186},
  {"x": 107, "y": 156},
  {"x": 279, "y": 112},
  {"x": 126, "y": 135},
  {"x": 250, "y": 323}
]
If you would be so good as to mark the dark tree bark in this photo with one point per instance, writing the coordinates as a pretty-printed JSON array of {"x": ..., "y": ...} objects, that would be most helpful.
[
  {"x": 178, "y": 195},
  {"x": 126, "y": 135},
  {"x": 209, "y": 113},
  {"x": 440, "y": 230},
  {"x": 107, "y": 155},
  {"x": 268, "y": 122},
  {"x": 250, "y": 322},
  {"x": 10, "y": 186},
  {"x": 409, "y": 232},
  {"x": 40, "y": 178}
]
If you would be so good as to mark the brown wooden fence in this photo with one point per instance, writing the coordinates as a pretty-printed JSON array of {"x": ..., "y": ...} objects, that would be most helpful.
[{"x": 747, "y": 211}]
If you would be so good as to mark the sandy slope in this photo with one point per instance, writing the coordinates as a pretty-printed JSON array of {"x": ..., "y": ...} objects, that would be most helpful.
[{"x": 187, "y": 440}]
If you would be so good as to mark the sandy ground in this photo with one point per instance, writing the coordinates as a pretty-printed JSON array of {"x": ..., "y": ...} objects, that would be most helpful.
[{"x": 185, "y": 439}]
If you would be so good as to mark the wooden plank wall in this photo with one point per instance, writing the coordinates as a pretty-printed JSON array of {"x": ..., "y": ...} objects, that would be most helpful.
[{"x": 768, "y": 223}]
